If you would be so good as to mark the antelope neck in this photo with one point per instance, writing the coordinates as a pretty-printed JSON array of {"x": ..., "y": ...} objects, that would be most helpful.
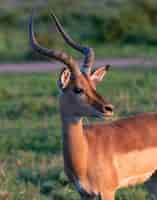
[
  {"x": 72, "y": 129},
  {"x": 74, "y": 146}
]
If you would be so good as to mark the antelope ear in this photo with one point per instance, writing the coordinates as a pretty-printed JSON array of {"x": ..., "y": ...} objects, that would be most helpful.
[
  {"x": 64, "y": 78},
  {"x": 99, "y": 73}
]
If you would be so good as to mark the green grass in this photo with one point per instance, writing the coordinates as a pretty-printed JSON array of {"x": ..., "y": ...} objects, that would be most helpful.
[{"x": 31, "y": 165}]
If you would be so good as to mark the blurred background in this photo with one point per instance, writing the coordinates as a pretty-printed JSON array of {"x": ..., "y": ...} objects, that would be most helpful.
[
  {"x": 31, "y": 165},
  {"x": 115, "y": 28}
]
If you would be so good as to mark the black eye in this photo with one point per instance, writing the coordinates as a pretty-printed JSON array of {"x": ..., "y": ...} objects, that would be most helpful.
[{"x": 78, "y": 90}]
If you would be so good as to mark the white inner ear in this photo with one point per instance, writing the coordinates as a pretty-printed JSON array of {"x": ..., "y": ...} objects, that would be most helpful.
[
  {"x": 65, "y": 78},
  {"x": 98, "y": 75}
]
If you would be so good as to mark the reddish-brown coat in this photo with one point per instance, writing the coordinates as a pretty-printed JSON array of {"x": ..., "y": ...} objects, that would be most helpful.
[{"x": 126, "y": 135}]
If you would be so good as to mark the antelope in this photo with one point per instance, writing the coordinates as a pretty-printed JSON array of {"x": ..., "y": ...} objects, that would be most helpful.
[{"x": 99, "y": 158}]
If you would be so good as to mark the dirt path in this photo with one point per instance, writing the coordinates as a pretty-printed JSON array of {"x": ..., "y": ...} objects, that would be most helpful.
[{"x": 48, "y": 67}]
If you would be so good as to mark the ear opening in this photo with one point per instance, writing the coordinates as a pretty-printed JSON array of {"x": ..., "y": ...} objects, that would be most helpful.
[
  {"x": 64, "y": 78},
  {"x": 98, "y": 74}
]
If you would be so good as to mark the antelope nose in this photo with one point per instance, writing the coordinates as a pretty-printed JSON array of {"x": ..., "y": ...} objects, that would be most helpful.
[{"x": 108, "y": 109}]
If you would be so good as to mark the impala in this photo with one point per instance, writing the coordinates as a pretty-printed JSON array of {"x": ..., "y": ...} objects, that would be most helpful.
[{"x": 99, "y": 158}]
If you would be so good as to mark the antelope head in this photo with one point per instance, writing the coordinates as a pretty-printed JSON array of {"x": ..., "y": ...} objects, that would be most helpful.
[{"x": 77, "y": 85}]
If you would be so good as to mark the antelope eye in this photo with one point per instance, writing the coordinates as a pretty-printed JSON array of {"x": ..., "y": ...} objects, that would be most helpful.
[{"x": 78, "y": 90}]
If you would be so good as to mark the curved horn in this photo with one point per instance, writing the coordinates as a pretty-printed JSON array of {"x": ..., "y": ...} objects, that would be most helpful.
[
  {"x": 88, "y": 52},
  {"x": 60, "y": 56}
]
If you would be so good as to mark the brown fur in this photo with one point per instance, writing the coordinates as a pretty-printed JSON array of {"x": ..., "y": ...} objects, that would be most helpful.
[
  {"x": 105, "y": 157},
  {"x": 122, "y": 132},
  {"x": 95, "y": 148}
]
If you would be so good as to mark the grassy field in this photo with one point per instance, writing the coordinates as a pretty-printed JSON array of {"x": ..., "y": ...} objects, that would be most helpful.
[{"x": 31, "y": 164}]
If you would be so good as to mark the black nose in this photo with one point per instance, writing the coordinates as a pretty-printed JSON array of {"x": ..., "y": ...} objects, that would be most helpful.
[{"x": 108, "y": 108}]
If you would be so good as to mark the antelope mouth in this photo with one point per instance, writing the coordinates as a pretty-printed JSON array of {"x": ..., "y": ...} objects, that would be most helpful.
[{"x": 108, "y": 114}]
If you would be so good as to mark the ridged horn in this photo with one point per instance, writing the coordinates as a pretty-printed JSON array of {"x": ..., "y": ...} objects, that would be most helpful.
[
  {"x": 88, "y": 52},
  {"x": 58, "y": 55}
]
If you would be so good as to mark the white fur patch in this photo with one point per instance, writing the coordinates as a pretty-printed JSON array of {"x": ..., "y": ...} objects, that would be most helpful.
[{"x": 135, "y": 179}]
